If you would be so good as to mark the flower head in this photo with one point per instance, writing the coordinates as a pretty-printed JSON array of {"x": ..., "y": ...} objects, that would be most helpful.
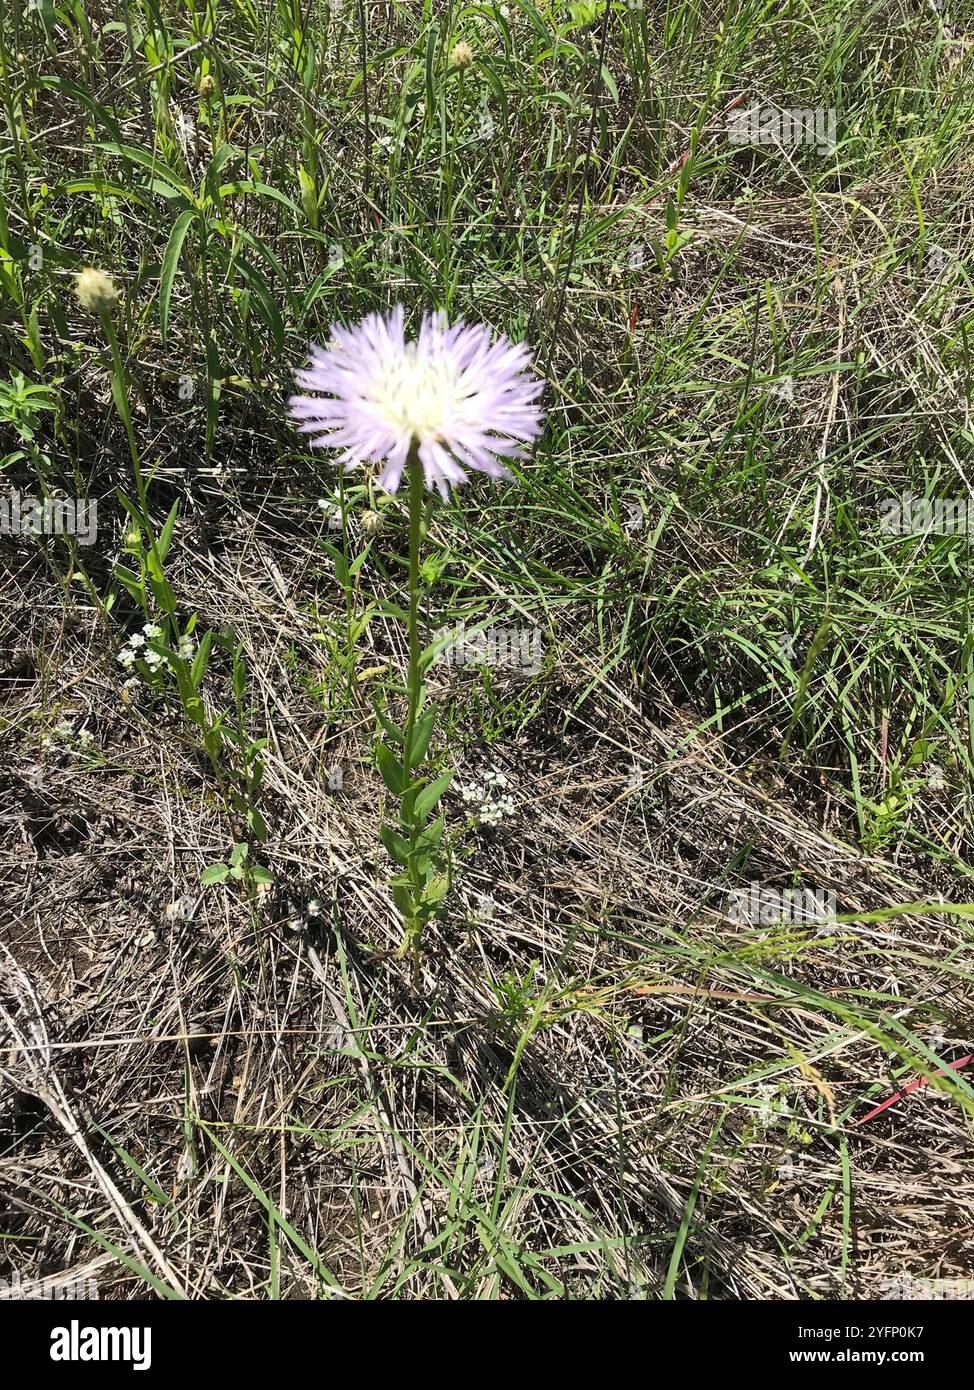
[
  {"x": 459, "y": 396},
  {"x": 461, "y": 55},
  {"x": 95, "y": 290}
]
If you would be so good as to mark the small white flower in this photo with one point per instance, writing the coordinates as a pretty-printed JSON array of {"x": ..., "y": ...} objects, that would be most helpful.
[
  {"x": 153, "y": 660},
  {"x": 136, "y": 640},
  {"x": 186, "y": 649},
  {"x": 315, "y": 907},
  {"x": 185, "y": 127},
  {"x": 152, "y": 630},
  {"x": 769, "y": 1110},
  {"x": 180, "y": 909},
  {"x": 486, "y": 908},
  {"x": 126, "y": 657}
]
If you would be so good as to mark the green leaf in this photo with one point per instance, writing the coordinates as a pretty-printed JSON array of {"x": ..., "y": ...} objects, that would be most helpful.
[
  {"x": 131, "y": 583},
  {"x": 391, "y": 610},
  {"x": 437, "y": 889},
  {"x": 259, "y": 826},
  {"x": 198, "y": 669},
  {"x": 390, "y": 769},
  {"x": 433, "y": 834},
  {"x": 239, "y": 678},
  {"x": 259, "y": 287},
  {"x": 421, "y": 737},
  {"x": 165, "y": 539},
  {"x": 164, "y": 595},
  {"x": 215, "y": 873},
  {"x": 264, "y": 190},
  {"x": 395, "y": 844},
  {"x": 392, "y": 730},
  {"x": 147, "y": 160},
  {"x": 170, "y": 263},
  {"x": 430, "y": 795},
  {"x": 402, "y": 895}
]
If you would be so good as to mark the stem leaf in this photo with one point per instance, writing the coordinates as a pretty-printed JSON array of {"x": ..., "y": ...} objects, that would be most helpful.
[
  {"x": 431, "y": 794},
  {"x": 421, "y": 737},
  {"x": 390, "y": 769}
]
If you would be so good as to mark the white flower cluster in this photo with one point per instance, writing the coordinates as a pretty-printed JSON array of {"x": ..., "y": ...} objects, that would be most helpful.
[
  {"x": 490, "y": 797},
  {"x": 64, "y": 731},
  {"x": 773, "y": 1106},
  {"x": 135, "y": 649}
]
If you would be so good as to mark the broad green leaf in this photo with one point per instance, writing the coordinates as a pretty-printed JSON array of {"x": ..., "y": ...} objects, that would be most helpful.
[
  {"x": 395, "y": 844},
  {"x": 421, "y": 737},
  {"x": 390, "y": 769},
  {"x": 430, "y": 795}
]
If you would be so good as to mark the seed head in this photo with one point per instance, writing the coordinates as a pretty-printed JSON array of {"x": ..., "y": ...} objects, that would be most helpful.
[
  {"x": 461, "y": 55},
  {"x": 95, "y": 290}
]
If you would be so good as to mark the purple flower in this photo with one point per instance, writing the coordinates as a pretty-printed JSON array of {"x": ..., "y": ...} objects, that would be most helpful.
[{"x": 461, "y": 397}]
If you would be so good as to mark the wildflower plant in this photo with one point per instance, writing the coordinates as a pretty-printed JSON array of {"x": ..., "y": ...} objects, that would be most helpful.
[{"x": 427, "y": 410}]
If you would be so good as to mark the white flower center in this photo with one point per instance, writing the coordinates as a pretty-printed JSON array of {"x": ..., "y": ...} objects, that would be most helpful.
[{"x": 418, "y": 394}]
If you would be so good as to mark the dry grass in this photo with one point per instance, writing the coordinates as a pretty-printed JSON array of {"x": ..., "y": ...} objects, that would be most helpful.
[{"x": 361, "y": 1109}]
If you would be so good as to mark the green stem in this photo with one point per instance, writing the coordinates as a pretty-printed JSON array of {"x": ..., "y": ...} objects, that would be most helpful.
[
  {"x": 414, "y": 473},
  {"x": 120, "y": 395},
  {"x": 414, "y": 682}
]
